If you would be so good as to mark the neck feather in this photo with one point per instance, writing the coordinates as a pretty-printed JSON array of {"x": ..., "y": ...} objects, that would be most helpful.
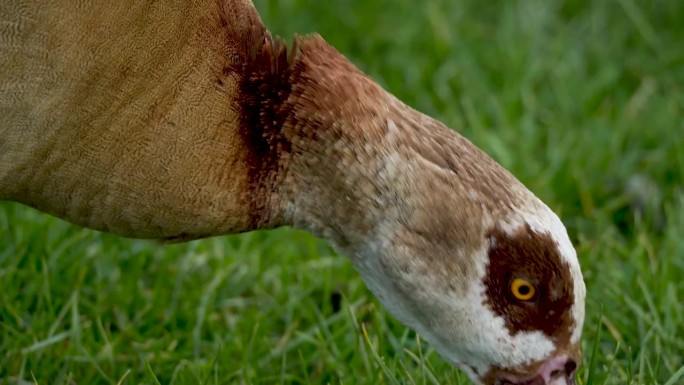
[{"x": 344, "y": 159}]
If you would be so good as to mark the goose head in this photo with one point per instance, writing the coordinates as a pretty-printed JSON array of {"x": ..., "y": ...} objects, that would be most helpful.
[
  {"x": 507, "y": 309},
  {"x": 510, "y": 313}
]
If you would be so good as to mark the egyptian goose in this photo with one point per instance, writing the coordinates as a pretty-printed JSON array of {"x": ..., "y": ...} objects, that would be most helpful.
[{"x": 179, "y": 120}]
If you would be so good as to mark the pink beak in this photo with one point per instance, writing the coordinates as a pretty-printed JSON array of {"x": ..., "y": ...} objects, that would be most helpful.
[{"x": 559, "y": 370}]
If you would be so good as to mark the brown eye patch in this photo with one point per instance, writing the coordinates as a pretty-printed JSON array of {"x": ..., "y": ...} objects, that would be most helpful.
[{"x": 535, "y": 258}]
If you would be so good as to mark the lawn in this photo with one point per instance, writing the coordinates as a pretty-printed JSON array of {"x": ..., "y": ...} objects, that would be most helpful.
[{"x": 583, "y": 101}]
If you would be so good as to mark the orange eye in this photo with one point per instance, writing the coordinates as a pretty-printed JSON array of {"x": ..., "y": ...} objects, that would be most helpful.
[{"x": 522, "y": 289}]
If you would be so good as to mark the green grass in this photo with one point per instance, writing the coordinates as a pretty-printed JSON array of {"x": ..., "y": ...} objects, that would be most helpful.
[{"x": 583, "y": 101}]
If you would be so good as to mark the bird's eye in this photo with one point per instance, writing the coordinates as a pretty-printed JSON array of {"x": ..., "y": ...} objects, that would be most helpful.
[{"x": 522, "y": 289}]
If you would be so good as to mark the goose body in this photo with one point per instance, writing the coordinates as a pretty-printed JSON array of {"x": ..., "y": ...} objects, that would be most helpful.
[{"x": 179, "y": 120}]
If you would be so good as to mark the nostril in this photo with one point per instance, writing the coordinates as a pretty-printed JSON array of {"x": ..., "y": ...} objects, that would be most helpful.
[
  {"x": 570, "y": 366},
  {"x": 566, "y": 369},
  {"x": 557, "y": 367}
]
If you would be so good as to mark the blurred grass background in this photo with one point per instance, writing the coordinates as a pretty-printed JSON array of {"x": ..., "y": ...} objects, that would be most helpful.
[{"x": 583, "y": 101}]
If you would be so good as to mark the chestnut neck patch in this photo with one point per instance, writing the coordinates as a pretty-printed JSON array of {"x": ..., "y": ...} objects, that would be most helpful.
[
  {"x": 264, "y": 74},
  {"x": 536, "y": 258}
]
